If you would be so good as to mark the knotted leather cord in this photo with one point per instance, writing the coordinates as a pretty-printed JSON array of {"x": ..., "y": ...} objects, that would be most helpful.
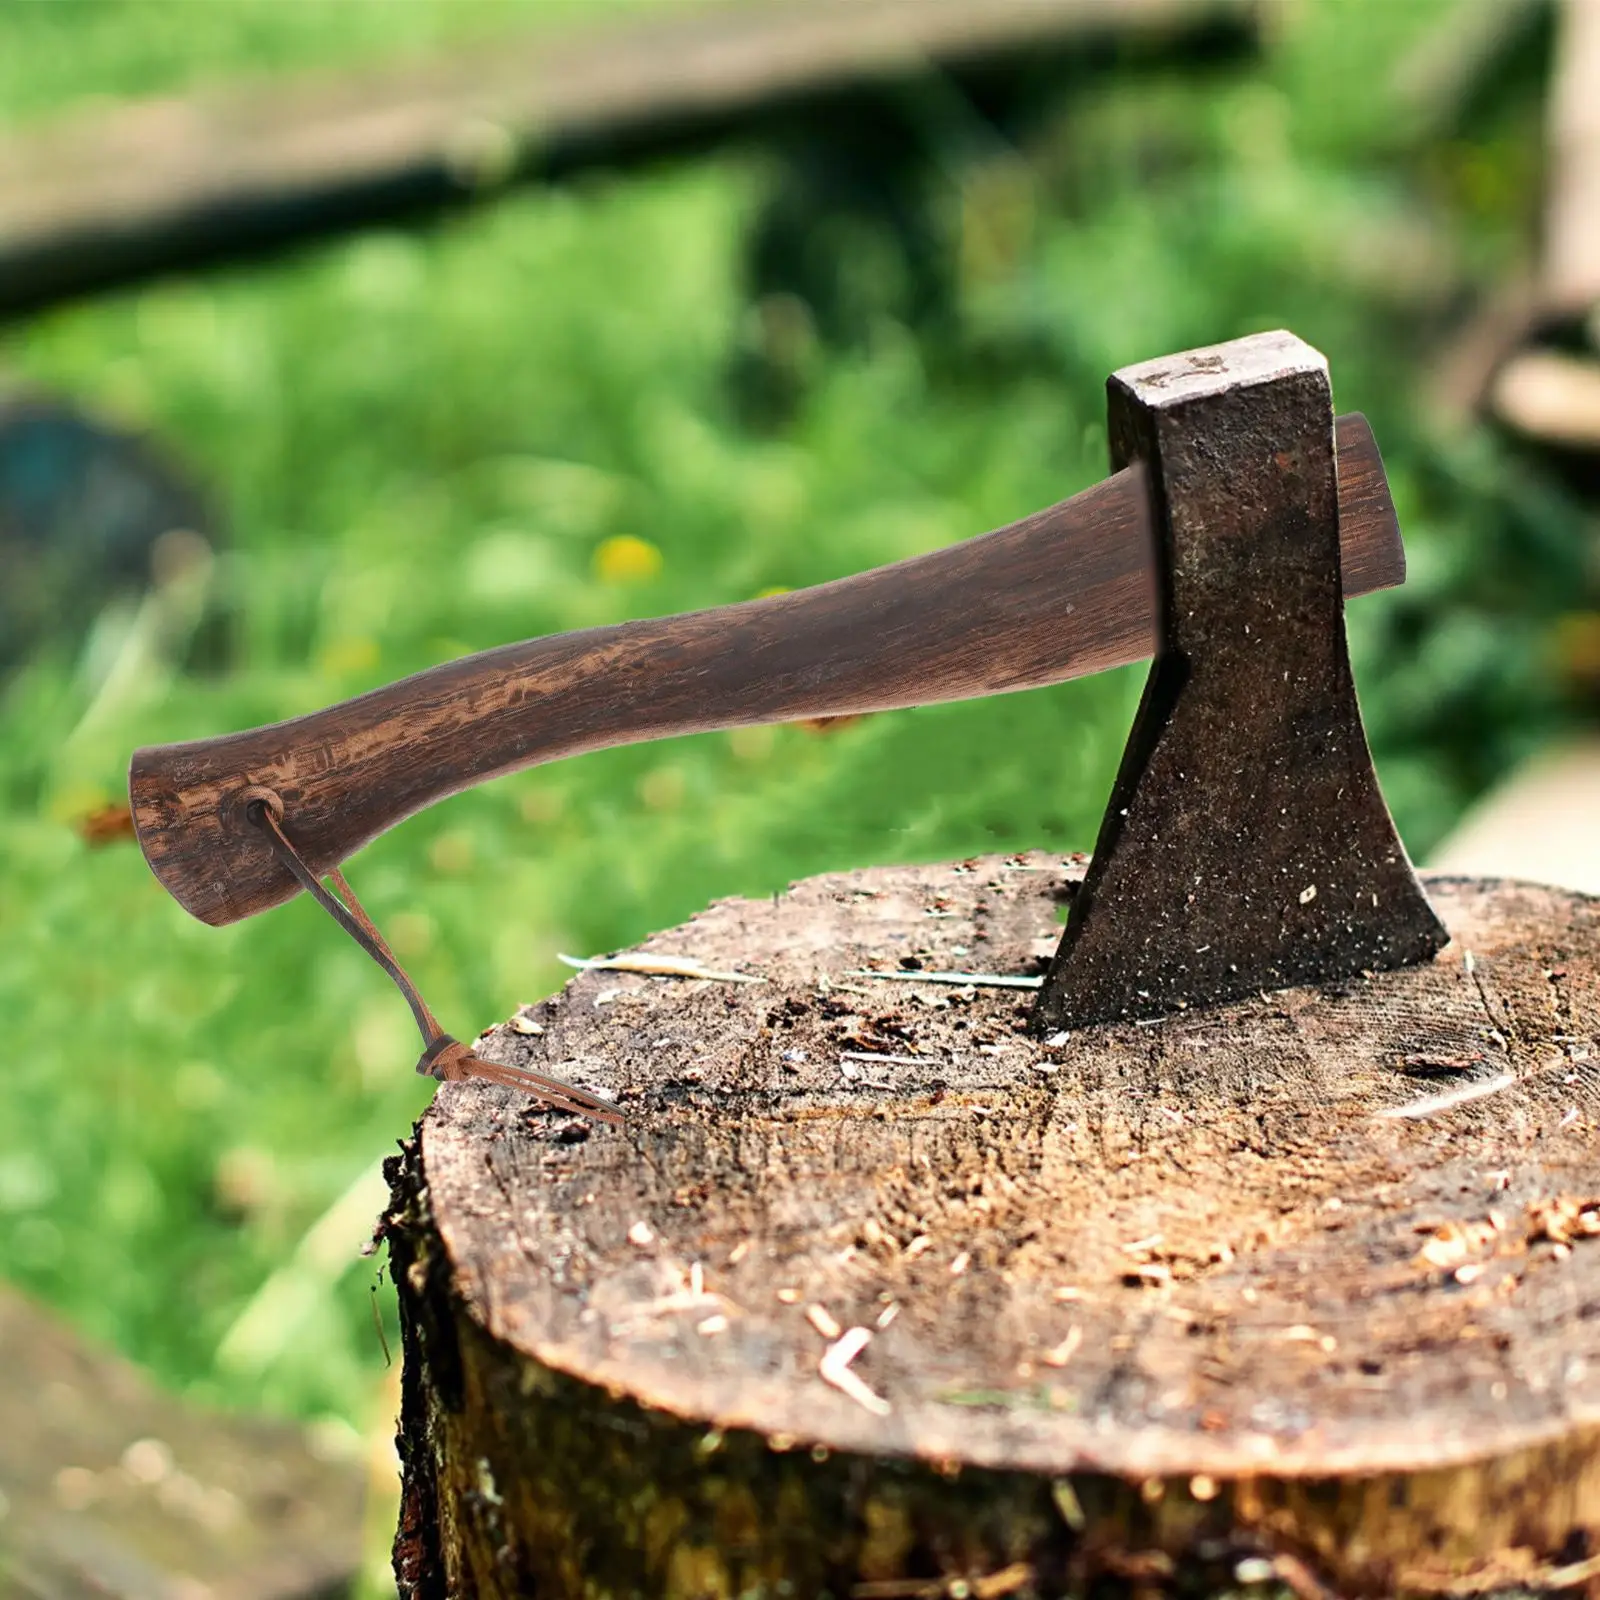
[{"x": 443, "y": 1057}]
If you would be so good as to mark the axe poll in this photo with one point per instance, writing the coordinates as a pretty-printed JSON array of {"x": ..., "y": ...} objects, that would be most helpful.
[{"x": 236, "y": 824}]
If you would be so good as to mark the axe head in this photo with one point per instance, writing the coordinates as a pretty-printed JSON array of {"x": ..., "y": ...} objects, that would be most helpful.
[{"x": 1246, "y": 845}]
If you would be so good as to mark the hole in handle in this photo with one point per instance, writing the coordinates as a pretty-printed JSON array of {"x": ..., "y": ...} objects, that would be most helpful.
[{"x": 256, "y": 801}]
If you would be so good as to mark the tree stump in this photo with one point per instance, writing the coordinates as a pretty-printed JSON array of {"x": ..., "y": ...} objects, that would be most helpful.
[{"x": 876, "y": 1295}]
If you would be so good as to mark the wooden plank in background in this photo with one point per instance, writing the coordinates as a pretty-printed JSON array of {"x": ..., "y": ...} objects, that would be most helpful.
[
  {"x": 1542, "y": 824},
  {"x": 106, "y": 196}
]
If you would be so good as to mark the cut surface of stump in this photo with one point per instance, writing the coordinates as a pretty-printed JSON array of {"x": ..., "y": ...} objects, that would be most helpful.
[{"x": 877, "y": 1294}]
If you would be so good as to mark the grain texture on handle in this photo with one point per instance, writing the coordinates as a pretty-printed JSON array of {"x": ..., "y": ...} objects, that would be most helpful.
[{"x": 1066, "y": 592}]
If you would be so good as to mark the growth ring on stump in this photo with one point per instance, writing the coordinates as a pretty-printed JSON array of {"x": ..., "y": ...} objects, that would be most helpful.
[{"x": 1305, "y": 1287}]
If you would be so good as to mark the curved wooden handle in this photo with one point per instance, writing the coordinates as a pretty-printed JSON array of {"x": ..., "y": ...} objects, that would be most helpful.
[{"x": 1068, "y": 591}]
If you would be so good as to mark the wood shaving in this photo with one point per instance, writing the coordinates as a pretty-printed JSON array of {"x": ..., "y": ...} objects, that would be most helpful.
[
  {"x": 712, "y": 1325},
  {"x": 657, "y": 967},
  {"x": 823, "y": 1321},
  {"x": 1066, "y": 1350},
  {"x": 1448, "y": 1101},
  {"x": 834, "y": 1369},
  {"x": 981, "y": 980},
  {"x": 683, "y": 1298},
  {"x": 1153, "y": 1272}
]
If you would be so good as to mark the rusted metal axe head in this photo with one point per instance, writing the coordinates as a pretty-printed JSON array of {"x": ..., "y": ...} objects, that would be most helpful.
[{"x": 1246, "y": 845}]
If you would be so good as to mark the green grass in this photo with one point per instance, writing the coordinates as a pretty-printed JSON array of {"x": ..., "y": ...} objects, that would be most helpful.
[{"x": 421, "y": 440}]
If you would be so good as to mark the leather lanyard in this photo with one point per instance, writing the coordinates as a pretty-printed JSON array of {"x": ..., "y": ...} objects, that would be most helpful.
[{"x": 443, "y": 1057}]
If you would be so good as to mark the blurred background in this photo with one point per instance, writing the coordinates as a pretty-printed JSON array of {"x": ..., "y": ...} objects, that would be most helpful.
[{"x": 482, "y": 327}]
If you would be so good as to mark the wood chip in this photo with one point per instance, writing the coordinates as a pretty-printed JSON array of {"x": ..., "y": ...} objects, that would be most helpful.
[
  {"x": 961, "y": 1263},
  {"x": 822, "y": 1320},
  {"x": 657, "y": 967},
  {"x": 641, "y": 1234},
  {"x": 525, "y": 1025},
  {"x": 739, "y": 1252},
  {"x": 887, "y": 1315},
  {"x": 834, "y": 1369},
  {"x": 1452, "y": 1242},
  {"x": 712, "y": 1325},
  {"x": 789, "y": 1297},
  {"x": 917, "y": 1246},
  {"x": 1068, "y": 1504},
  {"x": 1066, "y": 1350},
  {"x": 1563, "y": 1219}
]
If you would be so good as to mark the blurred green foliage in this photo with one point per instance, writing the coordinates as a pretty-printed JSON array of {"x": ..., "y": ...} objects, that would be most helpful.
[{"x": 423, "y": 442}]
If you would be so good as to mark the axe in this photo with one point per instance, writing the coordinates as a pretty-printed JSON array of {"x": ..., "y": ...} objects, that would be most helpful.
[{"x": 1240, "y": 515}]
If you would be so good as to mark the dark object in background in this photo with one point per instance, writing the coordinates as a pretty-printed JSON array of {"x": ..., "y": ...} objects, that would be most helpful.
[
  {"x": 88, "y": 514},
  {"x": 111, "y": 1488}
]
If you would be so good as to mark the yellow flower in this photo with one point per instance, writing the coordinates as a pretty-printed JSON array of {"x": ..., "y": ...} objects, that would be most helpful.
[
  {"x": 346, "y": 657},
  {"x": 626, "y": 558}
]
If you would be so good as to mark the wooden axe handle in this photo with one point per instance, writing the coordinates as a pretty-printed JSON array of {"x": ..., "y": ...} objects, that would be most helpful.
[{"x": 1068, "y": 591}]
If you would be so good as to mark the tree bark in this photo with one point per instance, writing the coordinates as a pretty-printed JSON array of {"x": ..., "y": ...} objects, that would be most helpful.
[{"x": 874, "y": 1295}]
